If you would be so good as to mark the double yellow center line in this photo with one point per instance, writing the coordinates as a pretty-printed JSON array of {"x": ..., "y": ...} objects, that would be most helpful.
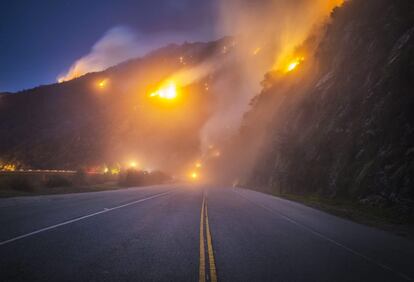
[{"x": 211, "y": 261}]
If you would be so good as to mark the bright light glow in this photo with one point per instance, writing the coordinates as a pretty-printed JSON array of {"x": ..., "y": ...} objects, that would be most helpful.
[
  {"x": 294, "y": 64},
  {"x": 168, "y": 92},
  {"x": 102, "y": 83},
  {"x": 133, "y": 164},
  {"x": 198, "y": 165},
  {"x": 9, "y": 167},
  {"x": 257, "y": 51},
  {"x": 194, "y": 175},
  {"x": 115, "y": 171}
]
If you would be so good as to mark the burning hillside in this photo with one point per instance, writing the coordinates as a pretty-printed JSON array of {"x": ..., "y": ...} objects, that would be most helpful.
[
  {"x": 288, "y": 103},
  {"x": 340, "y": 124},
  {"x": 107, "y": 119}
]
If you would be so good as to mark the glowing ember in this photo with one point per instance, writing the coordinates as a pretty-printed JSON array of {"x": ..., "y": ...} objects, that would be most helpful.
[
  {"x": 257, "y": 51},
  {"x": 169, "y": 92},
  {"x": 102, "y": 83},
  {"x": 194, "y": 175},
  {"x": 294, "y": 64},
  {"x": 9, "y": 167}
]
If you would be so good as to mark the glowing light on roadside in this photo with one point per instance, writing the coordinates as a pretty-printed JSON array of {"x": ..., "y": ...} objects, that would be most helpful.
[
  {"x": 133, "y": 164},
  {"x": 115, "y": 171},
  {"x": 168, "y": 92},
  {"x": 9, "y": 167},
  {"x": 194, "y": 175}
]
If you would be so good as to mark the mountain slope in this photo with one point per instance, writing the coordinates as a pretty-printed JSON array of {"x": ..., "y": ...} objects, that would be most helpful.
[
  {"x": 348, "y": 130},
  {"x": 76, "y": 123}
]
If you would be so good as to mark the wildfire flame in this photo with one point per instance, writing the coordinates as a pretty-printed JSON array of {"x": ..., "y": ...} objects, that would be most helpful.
[
  {"x": 102, "y": 83},
  {"x": 9, "y": 167},
  {"x": 168, "y": 92},
  {"x": 294, "y": 64},
  {"x": 194, "y": 175}
]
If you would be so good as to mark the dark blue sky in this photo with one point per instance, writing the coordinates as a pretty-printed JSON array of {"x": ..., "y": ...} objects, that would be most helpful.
[{"x": 40, "y": 39}]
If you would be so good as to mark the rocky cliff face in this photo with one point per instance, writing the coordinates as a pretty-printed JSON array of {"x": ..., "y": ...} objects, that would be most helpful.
[{"x": 349, "y": 132}]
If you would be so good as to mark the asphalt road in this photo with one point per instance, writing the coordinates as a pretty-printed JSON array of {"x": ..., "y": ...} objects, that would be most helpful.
[{"x": 185, "y": 233}]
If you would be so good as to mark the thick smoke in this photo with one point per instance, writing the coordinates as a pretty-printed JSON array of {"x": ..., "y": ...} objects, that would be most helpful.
[
  {"x": 265, "y": 37},
  {"x": 117, "y": 45},
  {"x": 267, "y": 34},
  {"x": 275, "y": 28}
]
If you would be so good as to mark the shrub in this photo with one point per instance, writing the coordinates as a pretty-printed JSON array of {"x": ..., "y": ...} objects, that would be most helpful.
[
  {"x": 139, "y": 178},
  {"x": 57, "y": 181},
  {"x": 133, "y": 178},
  {"x": 21, "y": 183},
  {"x": 158, "y": 177},
  {"x": 80, "y": 178}
]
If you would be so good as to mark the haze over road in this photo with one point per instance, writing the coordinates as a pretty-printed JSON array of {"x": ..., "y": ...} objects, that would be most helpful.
[{"x": 153, "y": 234}]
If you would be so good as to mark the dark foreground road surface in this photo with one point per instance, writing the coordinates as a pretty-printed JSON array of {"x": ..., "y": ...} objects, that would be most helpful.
[{"x": 184, "y": 233}]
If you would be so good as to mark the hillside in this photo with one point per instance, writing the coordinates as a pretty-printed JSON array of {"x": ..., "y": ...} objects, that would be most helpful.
[
  {"x": 78, "y": 123},
  {"x": 339, "y": 126},
  {"x": 344, "y": 127}
]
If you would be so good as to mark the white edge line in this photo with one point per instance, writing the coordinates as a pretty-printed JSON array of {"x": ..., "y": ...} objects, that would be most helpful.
[
  {"x": 314, "y": 232},
  {"x": 80, "y": 218}
]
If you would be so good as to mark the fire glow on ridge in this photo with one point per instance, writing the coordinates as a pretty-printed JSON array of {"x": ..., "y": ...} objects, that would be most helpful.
[
  {"x": 294, "y": 64},
  {"x": 168, "y": 92}
]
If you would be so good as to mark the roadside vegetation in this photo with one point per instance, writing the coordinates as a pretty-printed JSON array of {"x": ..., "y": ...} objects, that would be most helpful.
[
  {"x": 390, "y": 218},
  {"x": 19, "y": 184}
]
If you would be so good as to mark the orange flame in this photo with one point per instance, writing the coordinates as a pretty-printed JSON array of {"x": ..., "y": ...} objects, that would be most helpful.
[{"x": 168, "y": 92}]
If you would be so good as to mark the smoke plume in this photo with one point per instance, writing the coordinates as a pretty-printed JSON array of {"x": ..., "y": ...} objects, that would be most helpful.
[
  {"x": 119, "y": 44},
  {"x": 267, "y": 34}
]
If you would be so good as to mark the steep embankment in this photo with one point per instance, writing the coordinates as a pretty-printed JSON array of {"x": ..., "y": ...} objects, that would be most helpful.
[{"x": 350, "y": 133}]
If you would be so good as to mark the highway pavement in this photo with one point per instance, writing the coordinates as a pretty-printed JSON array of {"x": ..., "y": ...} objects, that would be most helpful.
[{"x": 190, "y": 233}]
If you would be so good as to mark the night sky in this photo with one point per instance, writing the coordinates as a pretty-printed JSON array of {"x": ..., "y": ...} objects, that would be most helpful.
[{"x": 40, "y": 39}]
